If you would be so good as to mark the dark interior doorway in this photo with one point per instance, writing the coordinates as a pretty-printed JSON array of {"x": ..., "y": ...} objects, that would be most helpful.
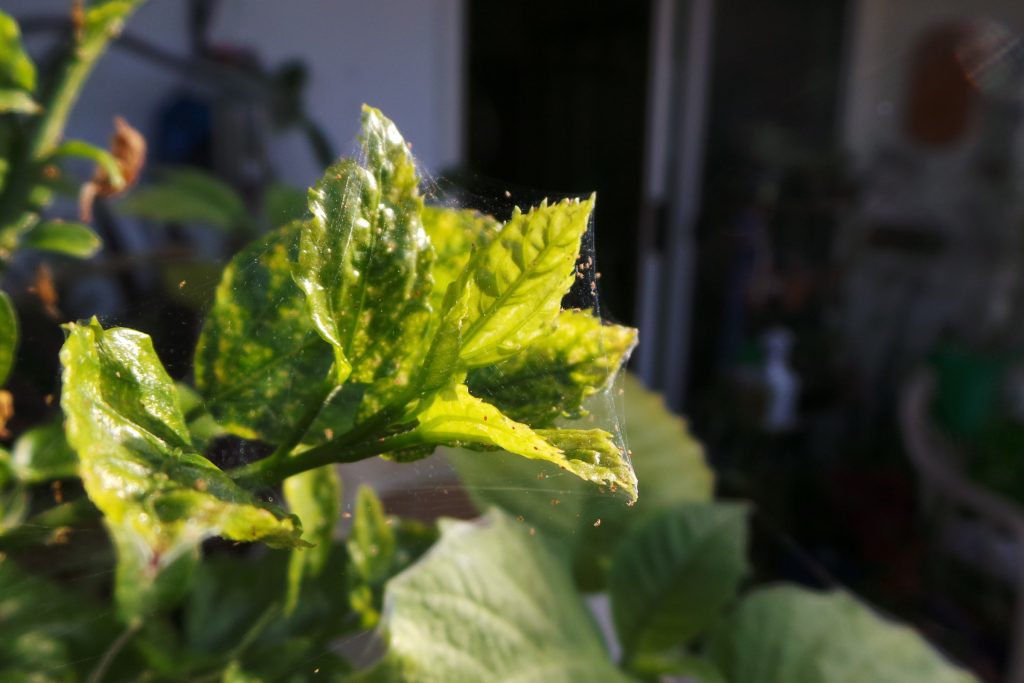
[{"x": 556, "y": 104}]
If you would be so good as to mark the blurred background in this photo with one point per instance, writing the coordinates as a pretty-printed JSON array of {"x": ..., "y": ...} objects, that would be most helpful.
[{"x": 810, "y": 208}]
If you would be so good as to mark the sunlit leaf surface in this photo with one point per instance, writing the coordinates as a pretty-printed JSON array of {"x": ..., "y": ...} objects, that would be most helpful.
[
  {"x": 159, "y": 498},
  {"x": 490, "y": 602}
]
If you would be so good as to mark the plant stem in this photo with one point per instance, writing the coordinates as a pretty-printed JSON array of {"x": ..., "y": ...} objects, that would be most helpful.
[
  {"x": 305, "y": 422},
  {"x": 47, "y": 129},
  {"x": 269, "y": 471},
  {"x": 110, "y": 655},
  {"x": 364, "y": 441}
]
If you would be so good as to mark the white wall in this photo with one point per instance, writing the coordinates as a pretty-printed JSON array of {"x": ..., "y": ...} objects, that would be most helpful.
[
  {"x": 404, "y": 56},
  {"x": 882, "y": 34}
]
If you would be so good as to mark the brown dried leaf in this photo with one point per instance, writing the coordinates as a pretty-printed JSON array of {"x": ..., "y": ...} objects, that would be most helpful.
[
  {"x": 6, "y": 412},
  {"x": 78, "y": 18},
  {"x": 45, "y": 290},
  {"x": 128, "y": 147}
]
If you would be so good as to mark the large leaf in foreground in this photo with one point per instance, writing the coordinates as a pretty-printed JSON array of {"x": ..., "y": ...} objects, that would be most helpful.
[
  {"x": 490, "y": 603},
  {"x": 454, "y": 417},
  {"x": 511, "y": 291},
  {"x": 786, "y": 634},
  {"x": 364, "y": 259},
  {"x": 554, "y": 376},
  {"x": 672, "y": 575},
  {"x": 159, "y": 498},
  {"x": 259, "y": 362}
]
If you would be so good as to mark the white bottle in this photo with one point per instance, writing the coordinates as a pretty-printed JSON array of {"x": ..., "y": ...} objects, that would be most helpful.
[{"x": 782, "y": 385}]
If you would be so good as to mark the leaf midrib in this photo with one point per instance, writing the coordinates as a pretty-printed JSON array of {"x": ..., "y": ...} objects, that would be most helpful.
[{"x": 474, "y": 328}]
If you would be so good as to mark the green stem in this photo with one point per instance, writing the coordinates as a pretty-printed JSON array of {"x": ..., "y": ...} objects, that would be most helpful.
[
  {"x": 68, "y": 87},
  {"x": 364, "y": 441},
  {"x": 48, "y": 128},
  {"x": 305, "y": 422},
  {"x": 110, "y": 655},
  {"x": 268, "y": 472}
]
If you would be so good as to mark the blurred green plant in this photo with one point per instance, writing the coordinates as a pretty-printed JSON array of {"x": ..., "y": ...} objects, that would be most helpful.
[{"x": 32, "y": 123}]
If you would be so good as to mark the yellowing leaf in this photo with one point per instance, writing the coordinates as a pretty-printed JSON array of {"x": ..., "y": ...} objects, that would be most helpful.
[
  {"x": 259, "y": 363},
  {"x": 455, "y": 234},
  {"x": 511, "y": 290},
  {"x": 364, "y": 260},
  {"x": 159, "y": 498},
  {"x": 552, "y": 377},
  {"x": 454, "y": 417}
]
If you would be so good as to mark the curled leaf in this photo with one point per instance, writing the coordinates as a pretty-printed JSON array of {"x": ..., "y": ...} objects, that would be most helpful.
[
  {"x": 454, "y": 417},
  {"x": 159, "y": 498},
  {"x": 128, "y": 147},
  {"x": 553, "y": 377}
]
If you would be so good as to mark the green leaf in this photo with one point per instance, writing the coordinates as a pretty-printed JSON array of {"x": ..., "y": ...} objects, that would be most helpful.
[
  {"x": 102, "y": 158},
  {"x": 17, "y": 102},
  {"x": 8, "y": 336},
  {"x": 371, "y": 552},
  {"x": 315, "y": 497},
  {"x": 105, "y": 18},
  {"x": 552, "y": 378},
  {"x": 593, "y": 455},
  {"x": 454, "y": 417},
  {"x": 283, "y": 204},
  {"x": 511, "y": 291},
  {"x": 188, "y": 195},
  {"x": 371, "y": 546},
  {"x": 786, "y": 634},
  {"x": 42, "y": 454},
  {"x": 364, "y": 259},
  {"x": 672, "y": 575},
  {"x": 669, "y": 464},
  {"x": 232, "y": 613},
  {"x": 160, "y": 499},
  {"x": 456, "y": 235},
  {"x": 677, "y": 664},
  {"x": 201, "y": 425},
  {"x": 490, "y": 602},
  {"x": 14, "y": 499},
  {"x": 259, "y": 363},
  {"x": 47, "y": 633},
  {"x": 71, "y": 239},
  {"x": 17, "y": 72}
]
